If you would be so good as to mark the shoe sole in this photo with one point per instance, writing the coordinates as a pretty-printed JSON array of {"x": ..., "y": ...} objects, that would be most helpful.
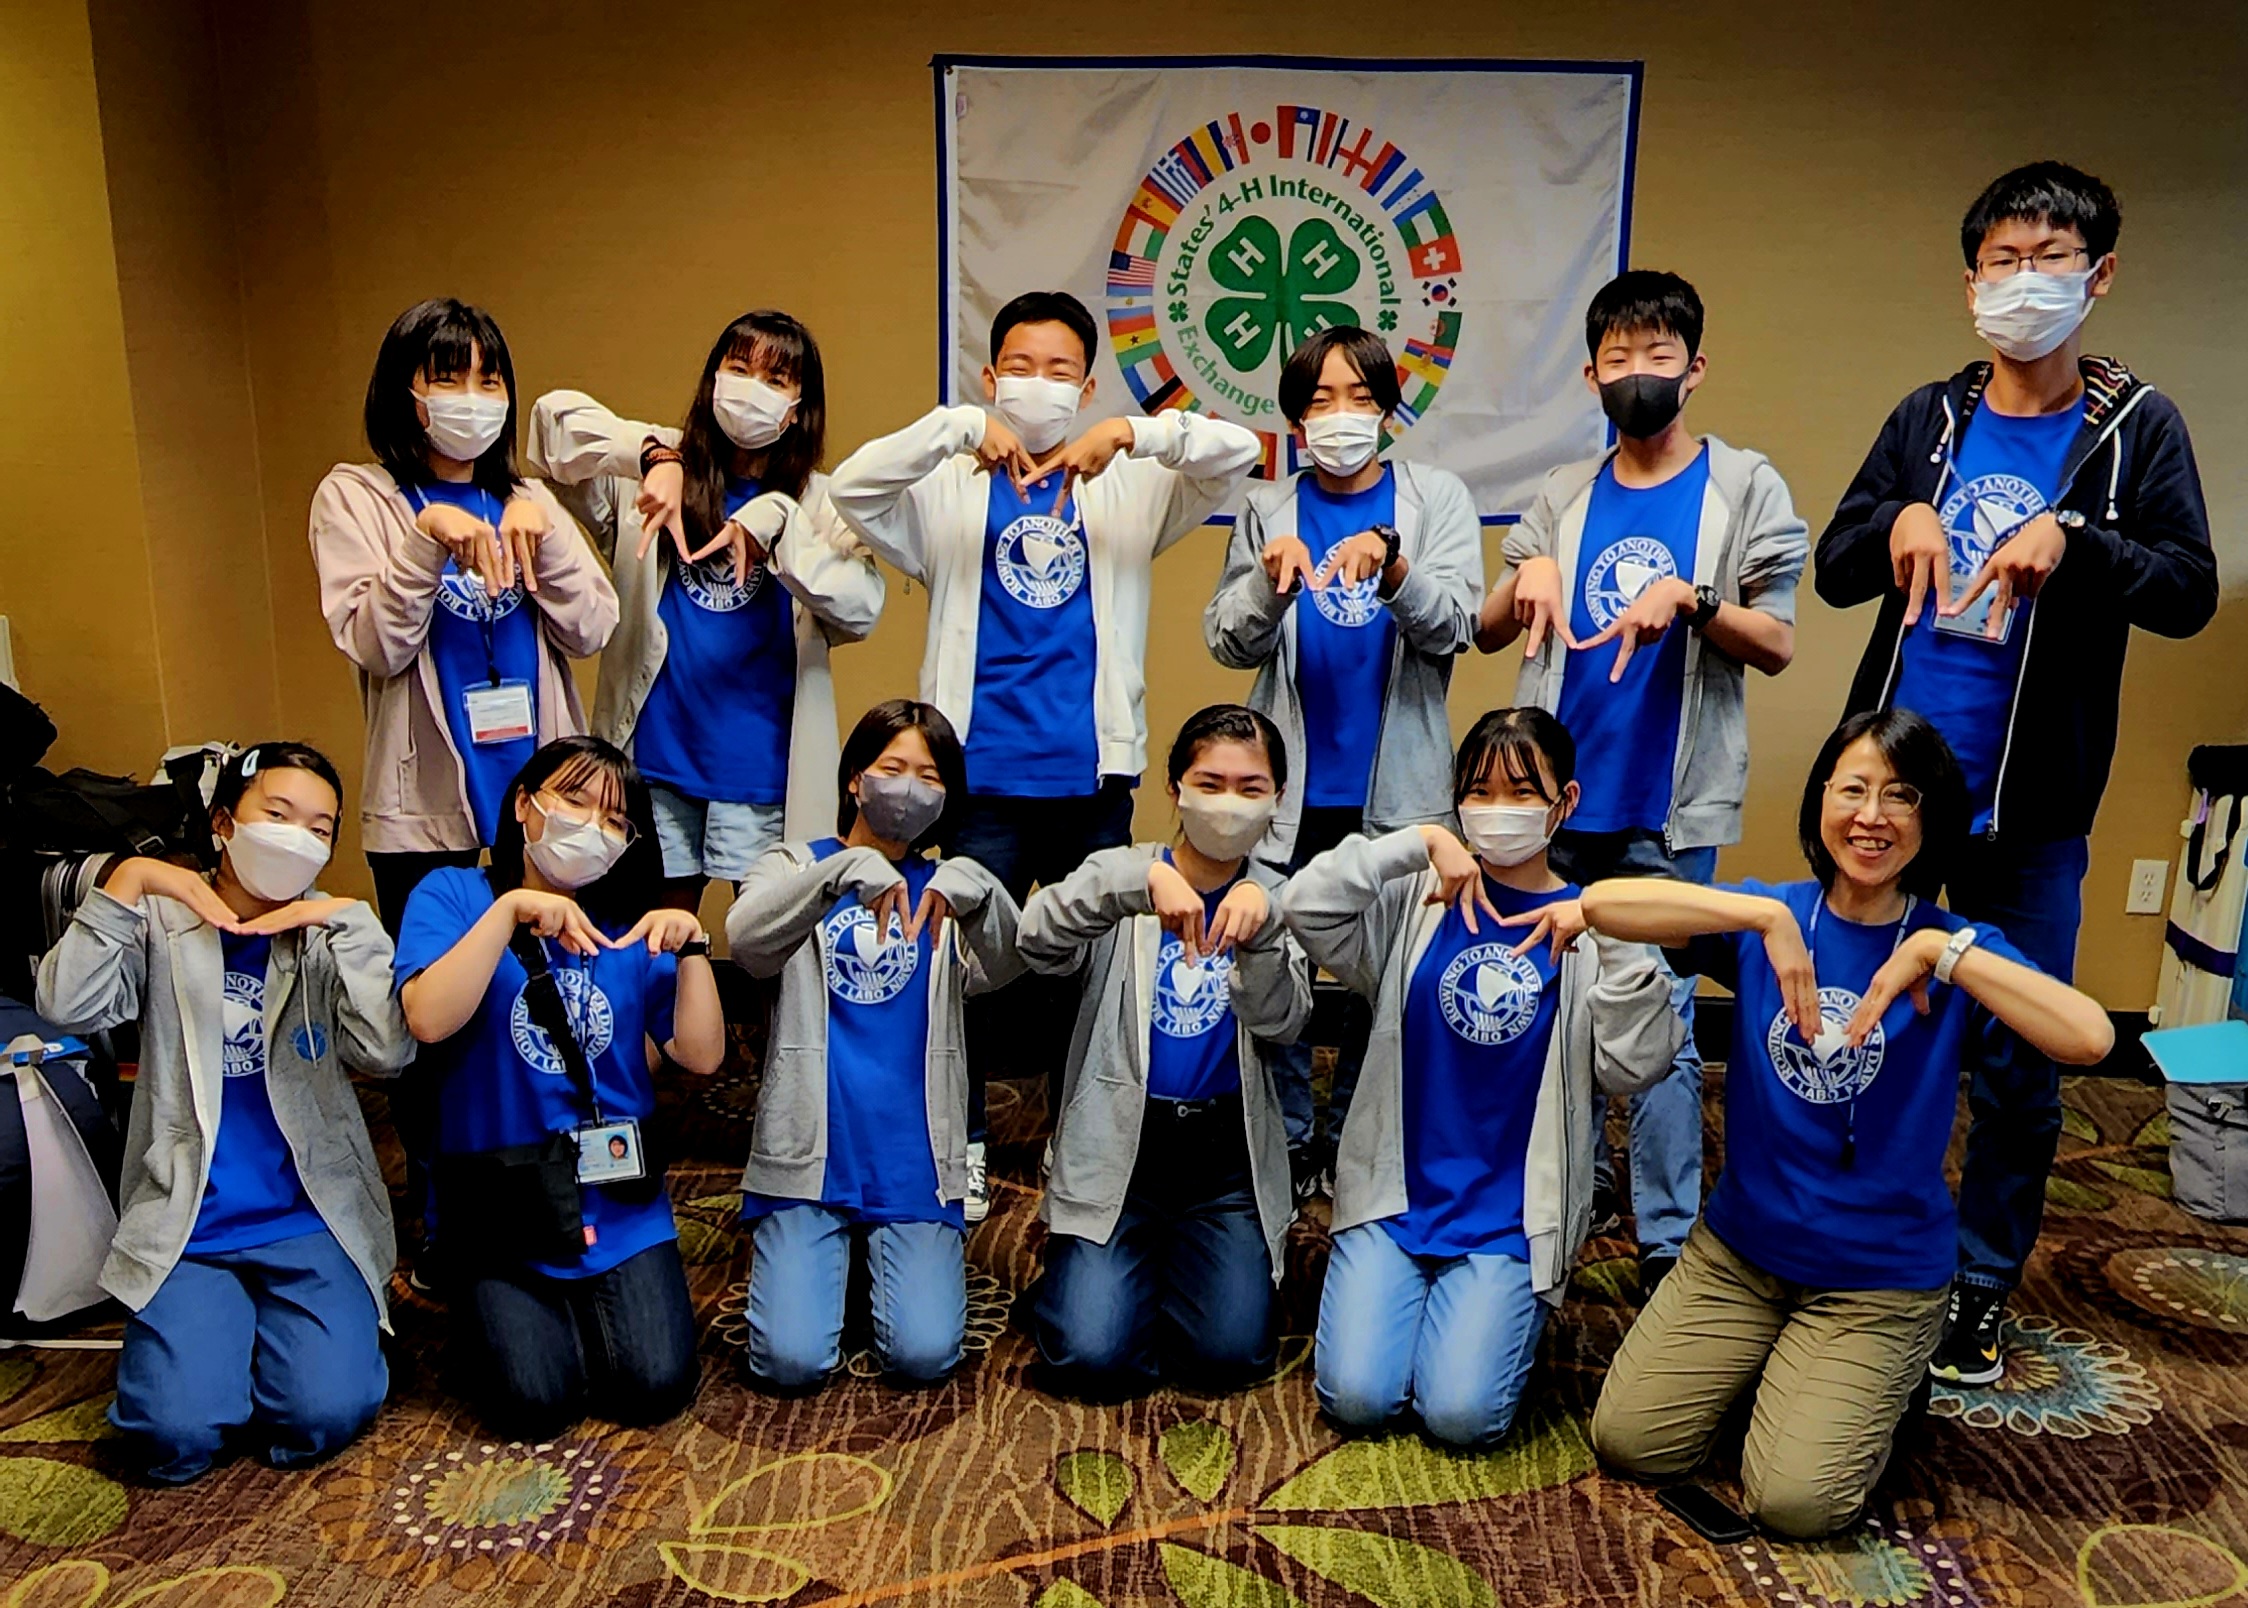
[{"x": 1954, "y": 1376}]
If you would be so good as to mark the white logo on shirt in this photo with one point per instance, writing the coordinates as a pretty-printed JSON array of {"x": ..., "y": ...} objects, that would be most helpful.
[
  {"x": 1984, "y": 512},
  {"x": 1192, "y": 992},
  {"x": 1828, "y": 1071},
  {"x": 1041, "y": 561},
  {"x": 1349, "y": 606},
  {"x": 710, "y": 584},
  {"x": 242, "y": 1019},
  {"x": 1623, "y": 570},
  {"x": 589, "y": 1013},
  {"x": 464, "y": 597},
  {"x": 864, "y": 967},
  {"x": 1490, "y": 994}
]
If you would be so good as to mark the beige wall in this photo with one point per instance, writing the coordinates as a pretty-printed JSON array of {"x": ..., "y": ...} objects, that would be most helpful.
[{"x": 616, "y": 189}]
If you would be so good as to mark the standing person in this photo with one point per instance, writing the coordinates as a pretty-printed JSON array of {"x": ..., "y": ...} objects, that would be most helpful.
[
  {"x": 1036, "y": 550},
  {"x": 734, "y": 577},
  {"x": 257, "y": 1292},
  {"x": 545, "y": 990},
  {"x": 458, "y": 590},
  {"x": 2015, "y": 522},
  {"x": 862, "y": 1122},
  {"x": 1684, "y": 553},
  {"x": 1819, "y": 1273},
  {"x": 1390, "y": 556},
  {"x": 1168, "y": 1200},
  {"x": 1463, "y": 1184}
]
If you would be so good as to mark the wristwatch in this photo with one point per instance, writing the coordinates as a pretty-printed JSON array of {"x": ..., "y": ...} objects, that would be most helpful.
[
  {"x": 1961, "y": 941},
  {"x": 695, "y": 947},
  {"x": 1391, "y": 541},
  {"x": 1706, "y": 602}
]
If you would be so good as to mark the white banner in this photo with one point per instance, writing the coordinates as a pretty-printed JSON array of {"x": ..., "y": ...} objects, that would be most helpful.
[{"x": 1214, "y": 213}]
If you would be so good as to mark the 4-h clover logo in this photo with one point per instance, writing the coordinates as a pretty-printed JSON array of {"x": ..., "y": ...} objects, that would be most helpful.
[{"x": 1281, "y": 296}]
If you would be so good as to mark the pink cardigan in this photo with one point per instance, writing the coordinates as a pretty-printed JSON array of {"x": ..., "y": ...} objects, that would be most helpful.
[{"x": 378, "y": 581}]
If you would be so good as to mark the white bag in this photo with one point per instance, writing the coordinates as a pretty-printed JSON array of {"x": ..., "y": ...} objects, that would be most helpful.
[
  {"x": 2201, "y": 949},
  {"x": 72, "y": 1220}
]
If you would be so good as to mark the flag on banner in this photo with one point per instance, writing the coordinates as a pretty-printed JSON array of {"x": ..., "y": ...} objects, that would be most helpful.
[{"x": 1216, "y": 213}]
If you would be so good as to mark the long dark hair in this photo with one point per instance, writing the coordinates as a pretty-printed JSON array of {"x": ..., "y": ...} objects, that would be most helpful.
[
  {"x": 633, "y": 886},
  {"x": 1516, "y": 739},
  {"x": 442, "y": 339},
  {"x": 873, "y": 733},
  {"x": 777, "y": 347},
  {"x": 1917, "y": 752}
]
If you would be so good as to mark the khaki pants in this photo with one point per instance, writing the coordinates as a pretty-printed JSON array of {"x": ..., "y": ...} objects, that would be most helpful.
[{"x": 1838, "y": 1368}]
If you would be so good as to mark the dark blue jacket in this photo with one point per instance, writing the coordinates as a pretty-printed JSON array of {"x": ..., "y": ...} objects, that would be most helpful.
[{"x": 2141, "y": 557}]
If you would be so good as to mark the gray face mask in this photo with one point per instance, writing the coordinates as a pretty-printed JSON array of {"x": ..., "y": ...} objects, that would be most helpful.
[{"x": 899, "y": 808}]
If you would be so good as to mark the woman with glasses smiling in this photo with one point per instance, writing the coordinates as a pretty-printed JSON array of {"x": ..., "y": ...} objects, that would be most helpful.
[
  {"x": 548, "y": 988},
  {"x": 1821, "y": 1267}
]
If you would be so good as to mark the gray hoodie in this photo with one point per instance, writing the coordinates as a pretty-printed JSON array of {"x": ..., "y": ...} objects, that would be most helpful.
[
  {"x": 1250, "y": 627},
  {"x": 329, "y": 1012},
  {"x": 1751, "y": 548},
  {"x": 1099, "y": 920},
  {"x": 1361, "y": 910},
  {"x": 774, "y": 930}
]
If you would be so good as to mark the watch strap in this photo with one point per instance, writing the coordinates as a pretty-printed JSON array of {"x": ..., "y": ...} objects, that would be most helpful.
[
  {"x": 1706, "y": 603},
  {"x": 1961, "y": 941},
  {"x": 1392, "y": 541}
]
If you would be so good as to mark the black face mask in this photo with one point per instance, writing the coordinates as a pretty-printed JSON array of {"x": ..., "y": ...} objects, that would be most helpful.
[{"x": 1642, "y": 405}]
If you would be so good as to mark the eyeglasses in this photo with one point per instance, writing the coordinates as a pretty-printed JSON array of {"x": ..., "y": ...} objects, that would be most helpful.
[
  {"x": 2050, "y": 260},
  {"x": 1898, "y": 799},
  {"x": 556, "y": 808}
]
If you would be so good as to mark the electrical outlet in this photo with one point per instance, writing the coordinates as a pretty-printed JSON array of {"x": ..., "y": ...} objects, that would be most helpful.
[{"x": 2147, "y": 879}]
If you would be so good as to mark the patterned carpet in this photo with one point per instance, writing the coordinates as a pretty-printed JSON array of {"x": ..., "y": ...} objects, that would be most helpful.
[{"x": 2110, "y": 1469}]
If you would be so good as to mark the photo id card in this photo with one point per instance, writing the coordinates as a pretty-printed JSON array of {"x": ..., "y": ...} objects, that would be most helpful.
[
  {"x": 499, "y": 712},
  {"x": 609, "y": 1153},
  {"x": 1976, "y": 620}
]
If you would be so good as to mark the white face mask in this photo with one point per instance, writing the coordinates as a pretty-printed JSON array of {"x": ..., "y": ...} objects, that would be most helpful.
[
  {"x": 1225, "y": 826},
  {"x": 1506, "y": 834},
  {"x": 753, "y": 414},
  {"x": 572, "y": 852},
  {"x": 2026, "y": 315},
  {"x": 274, "y": 860},
  {"x": 1039, "y": 411},
  {"x": 462, "y": 425},
  {"x": 1343, "y": 443}
]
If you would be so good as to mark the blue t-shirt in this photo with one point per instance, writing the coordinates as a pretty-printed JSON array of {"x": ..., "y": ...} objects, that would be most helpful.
[
  {"x": 1627, "y": 731},
  {"x": 1345, "y": 636},
  {"x": 1031, "y": 731},
  {"x": 500, "y": 1080},
  {"x": 1786, "y": 1200},
  {"x": 1478, "y": 1020},
  {"x": 881, "y": 1165},
  {"x": 716, "y": 721},
  {"x": 2004, "y": 472},
  {"x": 474, "y": 640},
  {"x": 1191, "y": 1028},
  {"x": 254, "y": 1196}
]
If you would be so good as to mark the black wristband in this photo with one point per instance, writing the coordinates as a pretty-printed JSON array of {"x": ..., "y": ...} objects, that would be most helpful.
[
  {"x": 1391, "y": 542},
  {"x": 694, "y": 947},
  {"x": 1706, "y": 603}
]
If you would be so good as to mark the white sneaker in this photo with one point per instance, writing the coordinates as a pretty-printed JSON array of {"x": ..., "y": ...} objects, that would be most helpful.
[{"x": 977, "y": 1206}]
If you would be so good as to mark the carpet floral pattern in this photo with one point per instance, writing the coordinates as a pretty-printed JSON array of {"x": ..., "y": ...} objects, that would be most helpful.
[{"x": 2109, "y": 1468}]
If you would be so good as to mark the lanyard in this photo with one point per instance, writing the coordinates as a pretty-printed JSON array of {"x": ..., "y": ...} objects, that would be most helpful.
[
  {"x": 483, "y": 608},
  {"x": 1811, "y": 948}
]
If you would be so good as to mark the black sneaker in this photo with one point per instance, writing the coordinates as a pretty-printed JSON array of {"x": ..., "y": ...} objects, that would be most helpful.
[
  {"x": 1654, "y": 1267},
  {"x": 1307, "y": 1172},
  {"x": 1970, "y": 1353},
  {"x": 1607, "y": 1211}
]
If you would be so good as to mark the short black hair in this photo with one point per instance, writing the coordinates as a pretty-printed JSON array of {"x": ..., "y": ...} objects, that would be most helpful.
[
  {"x": 1368, "y": 355},
  {"x": 1917, "y": 752},
  {"x": 629, "y": 889},
  {"x": 1516, "y": 739},
  {"x": 1645, "y": 300},
  {"x": 1045, "y": 307},
  {"x": 1229, "y": 723},
  {"x": 2044, "y": 192},
  {"x": 235, "y": 774},
  {"x": 874, "y": 732},
  {"x": 440, "y": 338}
]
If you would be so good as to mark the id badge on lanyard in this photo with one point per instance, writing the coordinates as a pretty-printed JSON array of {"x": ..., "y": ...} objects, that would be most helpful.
[
  {"x": 499, "y": 711},
  {"x": 609, "y": 1153},
  {"x": 1976, "y": 621}
]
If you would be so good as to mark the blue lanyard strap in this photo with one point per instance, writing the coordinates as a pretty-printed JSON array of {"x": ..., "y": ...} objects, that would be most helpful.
[{"x": 1811, "y": 947}]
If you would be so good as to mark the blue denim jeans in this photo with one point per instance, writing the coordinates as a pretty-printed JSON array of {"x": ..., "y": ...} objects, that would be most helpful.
[
  {"x": 2034, "y": 894},
  {"x": 799, "y": 1277},
  {"x": 1451, "y": 1337},
  {"x": 543, "y": 1352},
  {"x": 1182, "y": 1288},
  {"x": 281, "y": 1339},
  {"x": 1666, "y": 1119},
  {"x": 1320, "y": 830}
]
